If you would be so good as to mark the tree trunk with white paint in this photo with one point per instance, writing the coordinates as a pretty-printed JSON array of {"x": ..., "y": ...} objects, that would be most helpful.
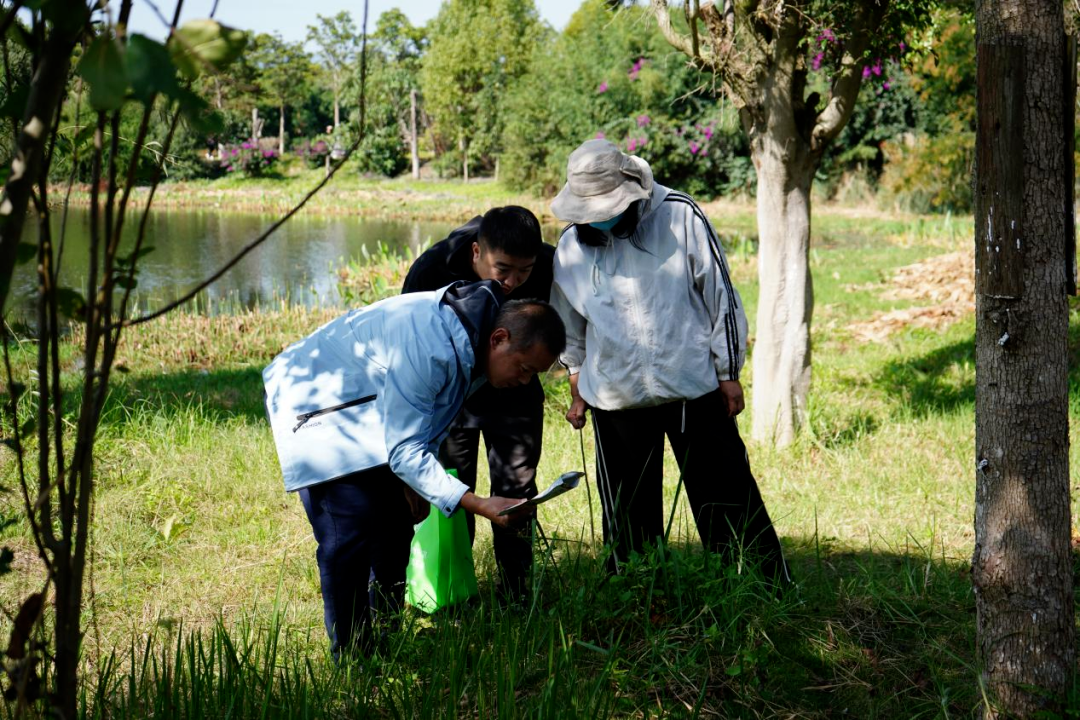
[
  {"x": 1021, "y": 566},
  {"x": 786, "y": 297}
]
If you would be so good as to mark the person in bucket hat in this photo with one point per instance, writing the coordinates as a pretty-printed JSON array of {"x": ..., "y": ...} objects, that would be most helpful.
[{"x": 655, "y": 342}]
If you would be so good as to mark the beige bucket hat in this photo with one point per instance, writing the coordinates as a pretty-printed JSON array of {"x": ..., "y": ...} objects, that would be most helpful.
[{"x": 601, "y": 182}]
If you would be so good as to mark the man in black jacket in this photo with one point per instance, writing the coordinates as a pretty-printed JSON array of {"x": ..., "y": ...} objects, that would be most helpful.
[{"x": 504, "y": 245}]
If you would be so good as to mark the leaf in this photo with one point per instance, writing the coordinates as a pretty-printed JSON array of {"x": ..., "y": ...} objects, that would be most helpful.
[
  {"x": 102, "y": 67},
  {"x": 199, "y": 45},
  {"x": 198, "y": 113},
  {"x": 150, "y": 68},
  {"x": 126, "y": 282},
  {"x": 24, "y": 625},
  {"x": 25, "y": 252},
  {"x": 71, "y": 303}
]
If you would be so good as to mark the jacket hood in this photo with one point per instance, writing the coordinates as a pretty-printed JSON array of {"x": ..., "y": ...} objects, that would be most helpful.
[{"x": 476, "y": 305}]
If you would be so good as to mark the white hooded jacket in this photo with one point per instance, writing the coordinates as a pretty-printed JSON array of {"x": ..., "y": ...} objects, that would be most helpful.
[{"x": 654, "y": 324}]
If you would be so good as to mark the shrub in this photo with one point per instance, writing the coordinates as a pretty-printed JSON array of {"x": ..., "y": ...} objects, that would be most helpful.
[
  {"x": 248, "y": 159},
  {"x": 930, "y": 173},
  {"x": 312, "y": 153}
]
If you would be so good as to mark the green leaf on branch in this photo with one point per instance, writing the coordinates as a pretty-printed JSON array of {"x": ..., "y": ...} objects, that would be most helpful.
[
  {"x": 128, "y": 283},
  {"x": 102, "y": 67},
  {"x": 150, "y": 68},
  {"x": 25, "y": 252},
  {"x": 199, "y": 114},
  {"x": 71, "y": 304},
  {"x": 200, "y": 45}
]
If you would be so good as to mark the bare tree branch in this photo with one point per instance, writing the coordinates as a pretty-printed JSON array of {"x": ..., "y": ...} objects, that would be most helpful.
[
  {"x": 677, "y": 40},
  {"x": 845, "y": 90}
]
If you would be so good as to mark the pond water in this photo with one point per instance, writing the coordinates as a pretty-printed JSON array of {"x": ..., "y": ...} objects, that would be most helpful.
[{"x": 297, "y": 262}]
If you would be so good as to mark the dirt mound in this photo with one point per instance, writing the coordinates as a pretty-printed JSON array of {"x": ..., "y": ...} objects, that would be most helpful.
[{"x": 947, "y": 282}]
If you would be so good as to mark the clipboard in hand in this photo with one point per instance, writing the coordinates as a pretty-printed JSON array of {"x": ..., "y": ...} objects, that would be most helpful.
[{"x": 564, "y": 483}]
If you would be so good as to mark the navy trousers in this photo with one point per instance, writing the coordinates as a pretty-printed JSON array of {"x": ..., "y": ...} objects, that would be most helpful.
[
  {"x": 728, "y": 510},
  {"x": 363, "y": 527}
]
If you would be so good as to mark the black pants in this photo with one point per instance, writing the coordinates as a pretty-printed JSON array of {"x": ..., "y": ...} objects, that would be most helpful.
[
  {"x": 723, "y": 494},
  {"x": 363, "y": 526},
  {"x": 511, "y": 422}
]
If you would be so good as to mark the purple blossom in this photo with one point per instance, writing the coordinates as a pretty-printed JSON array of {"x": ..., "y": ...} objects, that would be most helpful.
[
  {"x": 694, "y": 147},
  {"x": 816, "y": 63},
  {"x": 636, "y": 68},
  {"x": 866, "y": 72},
  {"x": 602, "y": 88},
  {"x": 876, "y": 69},
  {"x": 246, "y": 146},
  {"x": 708, "y": 132},
  {"x": 887, "y": 84},
  {"x": 631, "y": 145},
  {"x": 903, "y": 47},
  {"x": 229, "y": 168},
  {"x": 643, "y": 120},
  {"x": 826, "y": 36},
  {"x": 600, "y": 135}
]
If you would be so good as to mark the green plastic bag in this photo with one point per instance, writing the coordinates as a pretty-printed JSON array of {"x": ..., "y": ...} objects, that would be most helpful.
[{"x": 440, "y": 571}]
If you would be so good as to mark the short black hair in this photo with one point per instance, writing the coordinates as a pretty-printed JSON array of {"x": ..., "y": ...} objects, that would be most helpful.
[
  {"x": 513, "y": 230},
  {"x": 531, "y": 321}
]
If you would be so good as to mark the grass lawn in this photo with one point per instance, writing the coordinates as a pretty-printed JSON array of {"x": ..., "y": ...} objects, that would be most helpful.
[{"x": 204, "y": 565}]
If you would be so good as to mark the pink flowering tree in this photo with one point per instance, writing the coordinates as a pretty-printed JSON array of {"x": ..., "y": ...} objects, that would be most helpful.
[{"x": 762, "y": 53}]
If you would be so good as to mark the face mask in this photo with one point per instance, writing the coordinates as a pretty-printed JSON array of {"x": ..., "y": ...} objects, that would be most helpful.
[{"x": 607, "y": 224}]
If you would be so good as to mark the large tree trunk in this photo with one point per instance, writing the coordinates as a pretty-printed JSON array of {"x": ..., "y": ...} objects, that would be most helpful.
[
  {"x": 1021, "y": 566},
  {"x": 786, "y": 298}
]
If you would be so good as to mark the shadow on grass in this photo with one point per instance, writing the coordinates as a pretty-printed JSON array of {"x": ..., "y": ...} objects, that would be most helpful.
[
  {"x": 939, "y": 382},
  {"x": 869, "y": 634},
  {"x": 219, "y": 395}
]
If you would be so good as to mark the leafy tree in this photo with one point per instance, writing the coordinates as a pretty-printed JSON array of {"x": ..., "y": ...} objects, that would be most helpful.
[
  {"x": 633, "y": 89},
  {"x": 284, "y": 74},
  {"x": 479, "y": 48},
  {"x": 337, "y": 42},
  {"x": 762, "y": 52},
  {"x": 393, "y": 76}
]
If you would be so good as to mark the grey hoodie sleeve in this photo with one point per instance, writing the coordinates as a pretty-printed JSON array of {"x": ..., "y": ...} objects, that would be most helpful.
[{"x": 711, "y": 277}]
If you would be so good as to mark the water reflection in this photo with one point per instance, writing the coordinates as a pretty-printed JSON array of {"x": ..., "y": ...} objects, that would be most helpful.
[{"x": 297, "y": 262}]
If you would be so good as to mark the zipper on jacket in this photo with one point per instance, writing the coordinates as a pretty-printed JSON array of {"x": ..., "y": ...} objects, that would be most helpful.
[{"x": 304, "y": 417}]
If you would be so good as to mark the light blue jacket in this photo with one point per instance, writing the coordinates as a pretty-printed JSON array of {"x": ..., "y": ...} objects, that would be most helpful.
[{"x": 381, "y": 385}]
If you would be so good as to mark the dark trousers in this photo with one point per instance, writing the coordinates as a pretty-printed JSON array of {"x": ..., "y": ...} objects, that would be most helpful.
[
  {"x": 724, "y": 497},
  {"x": 511, "y": 422},
  {"x": 363, "y": 527}
]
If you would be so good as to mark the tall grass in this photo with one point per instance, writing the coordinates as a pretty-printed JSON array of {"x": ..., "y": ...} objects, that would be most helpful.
[{"x": 205, "y": 600}]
